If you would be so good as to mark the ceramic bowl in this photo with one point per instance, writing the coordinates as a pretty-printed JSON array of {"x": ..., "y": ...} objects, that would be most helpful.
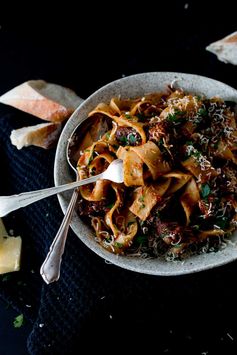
[{"x": 135, "y": 86}]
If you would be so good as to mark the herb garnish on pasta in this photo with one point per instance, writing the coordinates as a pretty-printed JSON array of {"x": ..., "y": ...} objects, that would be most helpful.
[{"x": 179, "y": 158}]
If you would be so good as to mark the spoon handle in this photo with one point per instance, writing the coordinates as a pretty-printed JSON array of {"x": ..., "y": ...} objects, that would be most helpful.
[
  {"x": 50, "y": 269},
  {"x": 14, "y": 202}
]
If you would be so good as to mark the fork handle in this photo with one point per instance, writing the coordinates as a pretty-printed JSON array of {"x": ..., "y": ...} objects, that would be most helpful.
[
  {"x": 14, "y": 202},
  {"x": 50, "y": 269}
]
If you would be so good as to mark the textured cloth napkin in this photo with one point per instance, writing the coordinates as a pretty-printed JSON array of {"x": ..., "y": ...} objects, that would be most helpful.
[{"x": 95, "y": 304}]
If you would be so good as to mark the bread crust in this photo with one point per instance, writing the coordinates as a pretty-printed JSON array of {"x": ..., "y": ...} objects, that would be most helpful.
[
  {"x": 225, "y": 49},
  {"x": 47, "y": 101},
  {"x": 44, "y": 135}
]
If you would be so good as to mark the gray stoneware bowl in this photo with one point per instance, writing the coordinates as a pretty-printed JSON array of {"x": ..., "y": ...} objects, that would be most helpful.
[{"x": 134, "y": 86}]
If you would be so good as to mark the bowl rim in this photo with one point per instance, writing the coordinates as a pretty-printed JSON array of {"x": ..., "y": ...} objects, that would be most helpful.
[{"x": 145, "y": 266}]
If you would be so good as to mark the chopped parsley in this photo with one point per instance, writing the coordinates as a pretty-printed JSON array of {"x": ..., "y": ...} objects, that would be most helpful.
[
  {"x": 91, "y": 158},
  {"x": 132, "y": 139},
  {"x": 107, "y": 136},
  {"x": 196, "y": 154},
  {"x": 205, "y": 191},
  {"x": 177, "y": 245},
  {"x": 216, "y": 144},
  {"x": 222, "y": 222},
  {"x": 189, "y": 143},
  {"x": 6, "y": 278},
  {"x": 129, "y": 139},
  {"x": 191, "y": 151},
  {"x": 18, "y": 321},
  {"x": 123, "y": 140},
  {"x": 172, "y": 117},
  {"x": 111, "y": 205},
  {"x": 141, "y": 239},
  {"x": 93, "y": 171},
  {"x": 175, "y": 117},
  {"x": 118, "y": 245},
  {"x": 202, "y": 112},
  {"x": 128, "y": 116},
  {"x": 160, "y": 142},
  {"x": 140, "y": 116},
  {"x": 142, "y": 200}
]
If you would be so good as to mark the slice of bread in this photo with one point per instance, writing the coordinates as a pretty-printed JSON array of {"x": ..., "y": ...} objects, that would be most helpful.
[
  {"x": 225, "y": 49},
  {"x": 43, "y": 135},
  {"x": 47, "y": 101}
]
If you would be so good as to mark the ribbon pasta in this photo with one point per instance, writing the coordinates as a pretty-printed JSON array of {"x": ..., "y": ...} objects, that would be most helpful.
[{"x": 179, "y": 160}]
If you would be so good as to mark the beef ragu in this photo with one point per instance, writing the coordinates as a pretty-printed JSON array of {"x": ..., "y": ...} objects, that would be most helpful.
[{"x": 179, "y": 158}]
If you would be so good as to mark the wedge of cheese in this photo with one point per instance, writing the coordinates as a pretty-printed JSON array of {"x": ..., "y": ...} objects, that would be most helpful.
[{"x": 10, "y": 251}]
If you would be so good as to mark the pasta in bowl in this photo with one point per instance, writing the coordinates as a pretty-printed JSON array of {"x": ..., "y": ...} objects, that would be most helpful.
[{"x": 178, "y": 197}]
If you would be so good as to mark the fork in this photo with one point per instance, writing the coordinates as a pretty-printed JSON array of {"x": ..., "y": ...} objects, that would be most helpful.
[{"x": 114, "y": 173}]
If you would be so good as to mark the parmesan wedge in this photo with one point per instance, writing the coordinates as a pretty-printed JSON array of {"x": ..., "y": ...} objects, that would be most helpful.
[
  {"x": 3, "y": 231},
  {"x": 10, "y": 251}
]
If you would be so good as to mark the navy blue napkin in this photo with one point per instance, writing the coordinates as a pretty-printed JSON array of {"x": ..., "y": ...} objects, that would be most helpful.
[{"x": 95, "y": 304}]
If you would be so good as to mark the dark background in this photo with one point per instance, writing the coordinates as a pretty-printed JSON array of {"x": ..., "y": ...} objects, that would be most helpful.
[{"x": 86, "y": 48}]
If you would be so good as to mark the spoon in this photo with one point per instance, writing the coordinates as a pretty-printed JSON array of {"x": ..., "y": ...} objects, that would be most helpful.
[{"x": 50, "y": 269}]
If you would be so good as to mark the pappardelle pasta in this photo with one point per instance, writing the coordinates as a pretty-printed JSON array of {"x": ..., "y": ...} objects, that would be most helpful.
[{"x": 179, "y": 159}]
